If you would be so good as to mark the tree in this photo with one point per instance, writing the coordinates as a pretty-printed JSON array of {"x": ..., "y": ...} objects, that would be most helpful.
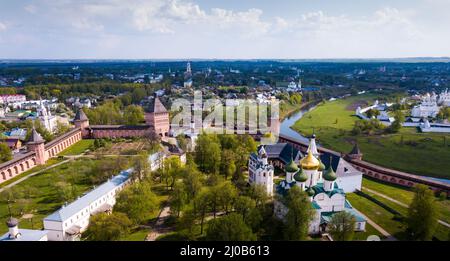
[
  {"x": 372, "y": 113},
  {"x": 258, "y": 193},
  {"x": 137, "y": 201},
  {"x": 178, "y": 198},
  {"x": 104, "y": 227},
  {"x": 208, "y": 153},
  {"x": 227, "y": 166},
  {"x": 397, "y": 124},
  {"x": 141, "y": 167},
  {"x": 192, "y": 181},
  {"x": 5, "y": 153},
  {"x": 201, "y": 205},
  {"x": 299, "y": 214},
  {"x": 133, "y": 115},
  {"x": 186, "y": 226},
  {"x": 229, "y": 228},
  {"x": 342, "y": 226},
  {"x": 422, "y": 214},
  {"x": 243, "y": 205},
  {"x": 171, "y": 170},
  {"x": 65, "y": 191},
  {"x": 138, "y": 94}
]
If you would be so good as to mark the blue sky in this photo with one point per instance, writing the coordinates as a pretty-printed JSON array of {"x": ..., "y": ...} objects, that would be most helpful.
[{"x": 231, "y": 29}]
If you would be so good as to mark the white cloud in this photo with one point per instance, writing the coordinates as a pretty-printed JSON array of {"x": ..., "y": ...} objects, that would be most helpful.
[
  {"x": 30, "y": 8},
  {"x": 2, "y": 26}
]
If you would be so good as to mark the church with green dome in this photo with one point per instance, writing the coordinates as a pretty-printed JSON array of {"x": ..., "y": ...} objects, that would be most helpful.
[{"x": 319, "y": 175}]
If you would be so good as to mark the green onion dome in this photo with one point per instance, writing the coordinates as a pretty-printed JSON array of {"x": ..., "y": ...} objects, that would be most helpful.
[
  {"x": 310, "y": 191},
  {"x": 321, "y": 166},
  {"x": 301, "y": 176},
  {"x": 291, "y": 167},
  {"x": 329, "y": 174}
]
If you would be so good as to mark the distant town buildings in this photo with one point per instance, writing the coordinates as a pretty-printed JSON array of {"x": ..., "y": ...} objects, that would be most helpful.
[
  {"x": 427, "y": 108},
  {"x": 12, "y": 98}
]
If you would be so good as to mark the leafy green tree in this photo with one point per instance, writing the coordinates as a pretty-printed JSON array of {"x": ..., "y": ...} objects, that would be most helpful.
[
  {"x": 258, "y": 194},
  {"x": 178, "y": 198},
  {"x": 5, "y": 152},
  {"x": 65, "y": 191},
  {"x": 192, "y": 180},
  {"x": 227, "y": 165},
  {"x": 133, "y": 115},
  {"x": 229, "y": 228},
  {"x": 201, "y": 206},
  {"x": 137, "y": 201},
  {"x": 372, "y": 113},
  {"x": 186, "y": 225},
  {"x": 141, "y": 167},
  {"x": 342, "y": 226},
  {"x": 422, "y": 214},
  {"x": 171, "y": 170},
  {"x": 299, "y": 214},
  {"x": 207, "y": 153},
  {"x": 104, "y": 227},
  {"x": 295, "y": 98},
  {"x": 138, "y": 94}
]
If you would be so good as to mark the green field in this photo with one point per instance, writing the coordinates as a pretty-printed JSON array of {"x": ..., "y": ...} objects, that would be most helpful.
[
  {"x": 403, "y": 195},
  {"x": 77, "y": 148},
  {"x": 40, "y": 195},
  {"x": 386, "y": 219},
  {"x": 407, "y": 150}
]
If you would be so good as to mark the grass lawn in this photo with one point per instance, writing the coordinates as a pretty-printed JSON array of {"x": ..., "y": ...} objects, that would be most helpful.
[
  {"x": 138, "y": 234},
  {"x": 404, "y": 195},
  {"x": 362, "y": 236},
  {"x": 28, "y": 172},
  {"x": 333, "y": 121},
  {"x": 77, "y": 148},
  {"x": 41, "y": 194},
  {"x": 386, "y": 219},
  {"x": 378, "y": 214}
]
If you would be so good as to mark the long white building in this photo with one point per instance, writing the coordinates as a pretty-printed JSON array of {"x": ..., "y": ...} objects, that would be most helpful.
[{"x": 67, "y": 223}]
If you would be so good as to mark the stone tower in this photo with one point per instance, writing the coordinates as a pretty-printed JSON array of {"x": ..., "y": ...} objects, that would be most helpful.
[
  {"x": 81, "y": 120},
  {"x": 36, "y": 144},
  {"x": 356, "y": 153},
  {"x": 157, "y": 117}
]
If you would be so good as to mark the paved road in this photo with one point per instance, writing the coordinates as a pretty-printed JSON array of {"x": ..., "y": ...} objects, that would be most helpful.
[
  {"x": 400, "y": 203},
  {"x": 159, "y": 228},
  {"x": 33, "y": 174}
]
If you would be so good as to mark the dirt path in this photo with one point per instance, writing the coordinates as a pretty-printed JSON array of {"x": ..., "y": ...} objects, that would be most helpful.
[
  {"x": 159, "y": 228},
  {"x": 400, "y": 203},
  {"x": 33, "y": 174}
]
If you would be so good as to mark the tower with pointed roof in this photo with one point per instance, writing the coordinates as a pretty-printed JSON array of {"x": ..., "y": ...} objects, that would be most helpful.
[
  {"x": 261, "y": 172},
  {"x": 157, "y": 117},
  {"x": 36, "y": 145},
  {"x": 81, "y": 120},
  {"x": 356, "y": 153}
]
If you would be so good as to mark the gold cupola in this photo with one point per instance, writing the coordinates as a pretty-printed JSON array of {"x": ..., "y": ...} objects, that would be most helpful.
[{"x": 310, "y": 162}]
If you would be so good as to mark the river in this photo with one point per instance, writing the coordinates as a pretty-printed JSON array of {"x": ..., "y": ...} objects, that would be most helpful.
[
  {"x": 285, "y": 127},
  {"x": 285, "y": 130}
]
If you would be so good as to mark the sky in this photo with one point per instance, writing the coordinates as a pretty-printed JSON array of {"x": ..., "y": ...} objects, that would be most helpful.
[{"x": 227, "y": 29}]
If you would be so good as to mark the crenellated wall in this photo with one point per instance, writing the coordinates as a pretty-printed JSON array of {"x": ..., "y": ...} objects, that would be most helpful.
[
  {"x": 25, "y": 162},
  {"x": 116, "y": 131}
]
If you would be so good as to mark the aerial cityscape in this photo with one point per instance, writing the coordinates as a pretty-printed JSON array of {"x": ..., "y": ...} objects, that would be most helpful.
[{"x": 175, "y": 139}]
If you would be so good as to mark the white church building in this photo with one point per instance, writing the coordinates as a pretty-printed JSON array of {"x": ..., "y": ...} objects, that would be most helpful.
[{"x": 324, "y": 181}]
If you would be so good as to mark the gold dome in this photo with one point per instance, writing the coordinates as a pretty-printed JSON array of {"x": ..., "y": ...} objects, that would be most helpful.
[{"x": 310, "y": 162}]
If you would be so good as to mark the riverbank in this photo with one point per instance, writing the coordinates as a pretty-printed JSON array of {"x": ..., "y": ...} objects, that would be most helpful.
[{"x": 405, "y": 151}]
